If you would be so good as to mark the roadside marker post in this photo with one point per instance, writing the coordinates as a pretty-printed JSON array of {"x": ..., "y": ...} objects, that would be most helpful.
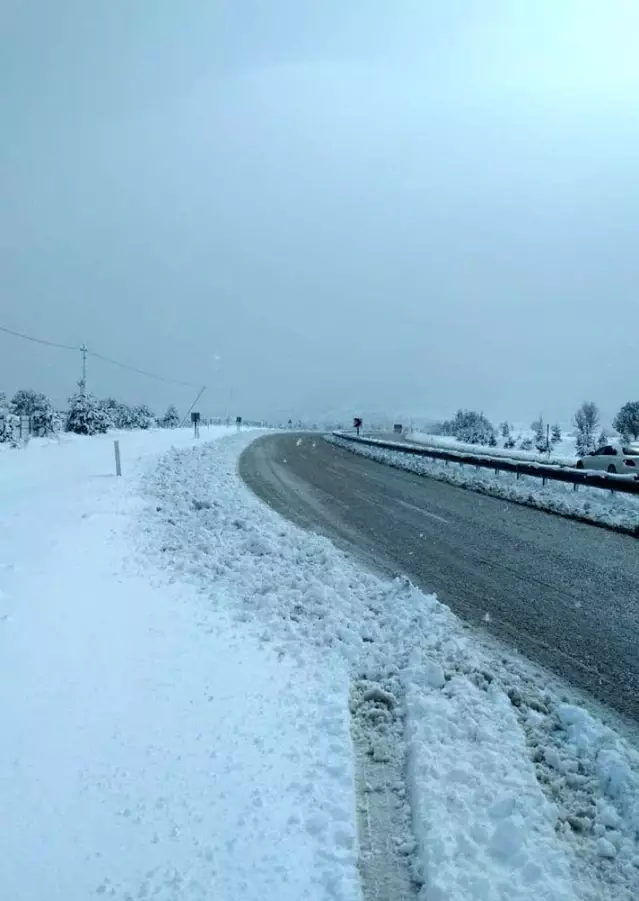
[{"x": 118, "y": 462}]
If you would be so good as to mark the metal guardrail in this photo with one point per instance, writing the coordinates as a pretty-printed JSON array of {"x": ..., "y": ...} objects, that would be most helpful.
[{"x": 544, "y": 471}]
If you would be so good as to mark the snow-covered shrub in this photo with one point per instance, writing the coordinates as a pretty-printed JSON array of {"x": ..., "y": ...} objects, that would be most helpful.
[
  {"x": 143, "y": 418},
  {"x": 86, "y": 415},
  {"x": 9, "y": 424},
  {"x": 470, "y": 427},
  {"x": 39, "y": 408},
  {"x": 123, "y": 416},
  {"x": 171, "y": 418},
  {"x": 120, "y": 414}
]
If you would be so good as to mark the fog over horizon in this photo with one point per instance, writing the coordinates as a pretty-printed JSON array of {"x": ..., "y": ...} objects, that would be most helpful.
[{"x": 324, "y": 209}]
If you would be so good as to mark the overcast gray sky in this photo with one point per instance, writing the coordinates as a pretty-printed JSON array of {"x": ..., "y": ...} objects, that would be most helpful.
[{"x": 407, "y": 206}]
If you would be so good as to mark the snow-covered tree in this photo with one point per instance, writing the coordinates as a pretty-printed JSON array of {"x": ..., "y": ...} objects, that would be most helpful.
[
  {"x": 126, "y": 417},
  {"x": 586, "y": 420},
  {"x": 626, "y": 422},
  {"x": 39, "y": 408},
  {"x": 526, "y": 444},
  {"x": 171, "y": 418},
  {"x": 555, "y": 434},
  {"x": 504, "y": 429},
  {"x": 143, "y": 418},
  {"x": 24, "y": 402},
  {"x": 469, "y": 426},
  {"x": 111, "y": 407},
  {"x": 121, "y": 415},
  {"x": 9, "y": 424},
  {"x": 540, "y": 435},
  {"x": 86, "y": 415}
]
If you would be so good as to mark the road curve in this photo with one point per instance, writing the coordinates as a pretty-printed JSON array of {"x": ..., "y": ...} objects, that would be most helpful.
[{"x": 564, "y": 594}]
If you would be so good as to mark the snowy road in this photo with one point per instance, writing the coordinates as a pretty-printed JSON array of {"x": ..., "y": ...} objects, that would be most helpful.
[{"x": 564, "y": 594}]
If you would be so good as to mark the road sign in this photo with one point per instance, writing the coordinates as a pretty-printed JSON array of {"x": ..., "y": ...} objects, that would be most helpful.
[
  {"x": 195, "y": 417},
  {"x": 357, "y": 423}
]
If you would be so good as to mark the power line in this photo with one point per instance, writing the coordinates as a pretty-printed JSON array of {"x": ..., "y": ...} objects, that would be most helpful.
[
  {"x": 151, "y": 375},
  {"x": 92, "y": 353},
  {"x": 37, "y": 340}
]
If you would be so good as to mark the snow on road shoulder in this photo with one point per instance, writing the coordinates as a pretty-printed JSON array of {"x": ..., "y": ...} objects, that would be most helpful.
[
  {"x": 487, "y": 822},
  {"x": 152, "y": 746},
  {"x": 619, "y": 511}
]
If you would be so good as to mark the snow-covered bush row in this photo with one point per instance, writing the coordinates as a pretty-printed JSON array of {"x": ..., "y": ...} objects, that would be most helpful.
[
  {"x": 44, "y": 419},
  {"x": 562, "y": 453},
  {"x": 620, "y": 511},
  {"x": 85, "y": 415},
  {"x": 88, "y": 415},
  {"x": 470, "y": 427}
]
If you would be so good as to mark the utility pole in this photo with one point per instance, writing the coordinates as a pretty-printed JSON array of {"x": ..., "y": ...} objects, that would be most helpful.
[
  {"x": 200, "y": 393},
  {"x": 84, "y": 368}
]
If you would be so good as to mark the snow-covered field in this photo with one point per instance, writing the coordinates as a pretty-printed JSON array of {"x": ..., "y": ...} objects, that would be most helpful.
[
  {"x": 562, "y": 453},
  {"x": 620, "y": 511},
  {"x": 192, "y": 687}
]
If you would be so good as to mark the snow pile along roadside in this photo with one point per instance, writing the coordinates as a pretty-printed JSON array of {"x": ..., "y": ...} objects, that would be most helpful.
[
  {"x": 618, "y": 511},
  {"x": 481, "y": 823}
]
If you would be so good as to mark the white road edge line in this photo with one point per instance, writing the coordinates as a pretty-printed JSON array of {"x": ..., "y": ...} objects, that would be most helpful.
[{"x": 425, "y": 512}]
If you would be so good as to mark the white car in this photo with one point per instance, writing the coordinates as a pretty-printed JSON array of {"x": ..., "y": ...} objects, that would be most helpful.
[{"x": 621, "y": 460}]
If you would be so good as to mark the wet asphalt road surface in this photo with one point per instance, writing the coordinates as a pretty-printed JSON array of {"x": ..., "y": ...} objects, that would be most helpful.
[{"x": 564, "y": 594}]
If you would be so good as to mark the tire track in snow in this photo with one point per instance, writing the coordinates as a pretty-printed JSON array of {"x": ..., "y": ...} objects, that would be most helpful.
[{"x": 386, "y": 843}]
